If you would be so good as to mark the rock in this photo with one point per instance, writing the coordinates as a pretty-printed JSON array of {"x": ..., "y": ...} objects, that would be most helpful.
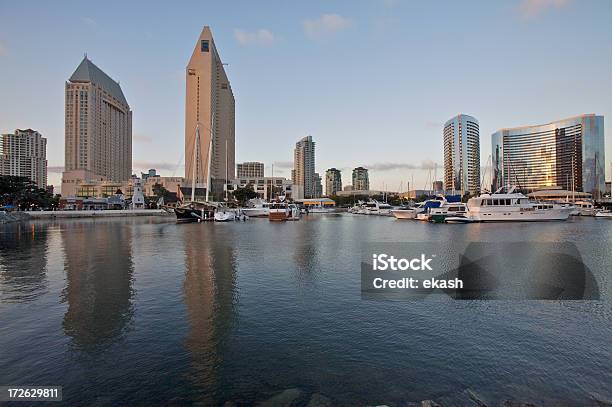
[
  {"x": 319, "y": 400},
  {"x": 429, "y": 403},
  {"x": 286, "y": 398}
]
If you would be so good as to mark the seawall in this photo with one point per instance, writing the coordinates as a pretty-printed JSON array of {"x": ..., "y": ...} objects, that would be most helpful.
[{"x": 97, "y": 214}]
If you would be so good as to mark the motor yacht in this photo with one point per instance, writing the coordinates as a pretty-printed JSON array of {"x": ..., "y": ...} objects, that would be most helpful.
[
  {"x": 257, "y": 207},
  {"x": 513, "y": 207}
]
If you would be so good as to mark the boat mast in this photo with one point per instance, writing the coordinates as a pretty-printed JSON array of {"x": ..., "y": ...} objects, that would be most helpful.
[
  {"x": 226, "y": 171},
  {"x": 209, "y": 158},
  {"x": 196, "y": 148}
]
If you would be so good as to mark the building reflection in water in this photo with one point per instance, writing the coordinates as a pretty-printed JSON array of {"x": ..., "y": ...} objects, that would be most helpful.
[
  {"x": 99, "y": 271},
  {"x": 210, "y": 299},
  {"x": 23, "y": 262}
]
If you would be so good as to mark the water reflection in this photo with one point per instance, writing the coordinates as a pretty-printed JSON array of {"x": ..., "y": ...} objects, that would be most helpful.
[
  {"x": 210, "y": 297},
  {"x": 23, "y": 262},
  {"x": 99, "y": 270}
]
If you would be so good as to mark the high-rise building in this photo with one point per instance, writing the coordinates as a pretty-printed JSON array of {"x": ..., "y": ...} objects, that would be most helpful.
[
  {"x": 250, "y": 169},
  {"x": 210, "y": 104},
  {"x": 304, "y": 168},
  {"x": 462, "y": 154},
  {"x": 98, "y": 129},
  {"x": 566, "y": 153},
  {"x": 24, "y": 154},
  {"x": 438, "y": 187},
  {"x": 318, "y": 185},
  {"x": 361, "y": 180},
  {"x": 333, "y": 181}
]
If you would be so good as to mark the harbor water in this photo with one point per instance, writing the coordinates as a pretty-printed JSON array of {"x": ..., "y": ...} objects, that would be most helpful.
[{"x": 146, "y": 311}]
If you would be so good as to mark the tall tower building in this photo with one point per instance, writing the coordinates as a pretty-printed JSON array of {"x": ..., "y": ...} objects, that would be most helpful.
[
  {"x": 98, "y": 129},
  {"x": 361, "y": 179},
  {"x": 333, "y": 181},
  {"x": 24, "y": 154},
  {"x": 462, "y": 154},
  {"x": 210, "y": 103},
  {"x": 303, "y": 173}
]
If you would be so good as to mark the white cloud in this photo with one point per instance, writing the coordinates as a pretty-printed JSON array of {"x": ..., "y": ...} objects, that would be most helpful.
[
  {"x": 529, "y": 9},
  {"x": 89, "y": 21},
  {"x": 326, "y": 24},
  {"x": 259, "y": 37}
]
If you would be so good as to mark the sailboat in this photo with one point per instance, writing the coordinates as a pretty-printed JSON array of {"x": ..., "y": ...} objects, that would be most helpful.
[{"x": 192, "y": 211}]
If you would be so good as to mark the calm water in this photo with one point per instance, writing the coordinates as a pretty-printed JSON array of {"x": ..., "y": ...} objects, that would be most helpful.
[{"x": 150, "y": 312}]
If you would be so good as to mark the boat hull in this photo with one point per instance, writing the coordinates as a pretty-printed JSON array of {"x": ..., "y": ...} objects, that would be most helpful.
[
  {"x": 521, "y": 216},
  {"x": 256, "y": 212},
  {"x": 404, "y": 214}
]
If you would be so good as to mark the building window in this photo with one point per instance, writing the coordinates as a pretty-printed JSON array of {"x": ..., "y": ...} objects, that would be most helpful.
[{"x": 204, "y": 46}]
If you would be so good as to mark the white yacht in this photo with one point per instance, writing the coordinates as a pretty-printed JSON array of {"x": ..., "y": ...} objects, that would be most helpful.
[
  {"x": 604, "y": 214},
  {"x": 373, "y": 207},
  {"x": 513, "y": 206},
  {"x": 407, "y": 212},
  {"x": 257, "y": 208},
  {"x": 585, "y": 208}
]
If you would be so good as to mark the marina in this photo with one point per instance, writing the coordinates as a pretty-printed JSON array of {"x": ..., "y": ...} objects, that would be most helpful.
[{"x": 212, "y": 313}]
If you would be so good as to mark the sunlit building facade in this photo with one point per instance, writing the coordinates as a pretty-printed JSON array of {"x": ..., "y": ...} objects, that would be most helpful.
[
  {"x": 333, "y": 181},
  {"x": 209, "y": 102},
  {"x": 567, "y": 153},
  {"x": 462, "y": 154}
]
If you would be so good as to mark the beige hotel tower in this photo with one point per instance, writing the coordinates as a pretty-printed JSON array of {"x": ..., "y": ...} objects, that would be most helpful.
[
  {"x": 98, "y": 130},
  {"x": 209, "y": 102}
]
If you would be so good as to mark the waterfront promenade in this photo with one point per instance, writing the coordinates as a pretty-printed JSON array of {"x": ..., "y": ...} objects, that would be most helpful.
[{"x": 97, "y": 214}]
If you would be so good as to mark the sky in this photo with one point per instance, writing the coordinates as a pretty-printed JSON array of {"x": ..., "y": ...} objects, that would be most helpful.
[{"x": 371, "y": 81}]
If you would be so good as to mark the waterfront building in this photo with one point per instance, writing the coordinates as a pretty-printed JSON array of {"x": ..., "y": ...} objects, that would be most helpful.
[
  {"x": 318, "y": 185},
  {"x": 365, "y": 193},
  {"x": 151, "y": 173},
  {"x": 462, "y": 154},
  {"x": 24, "y": 153},
  {"x": 98, "y": 129},
  {"x": 361, "y": 180},
  {"x": 566, "y": 153},
  {"x": 210, "y": 103},
  {"x": 303, "y": 174},
  {"x": 249, "y": 169},
  {"x": 266, "y": 187},
  {"x": 172, "y": 184},
  {"x": 333, "y": 181}
]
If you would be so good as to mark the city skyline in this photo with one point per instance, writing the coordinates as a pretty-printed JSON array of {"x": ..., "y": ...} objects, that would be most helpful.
[{"x": 284, "y": 92}]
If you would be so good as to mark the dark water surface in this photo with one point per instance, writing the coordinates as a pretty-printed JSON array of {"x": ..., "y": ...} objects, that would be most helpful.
[{"x": 150, "y": 312}]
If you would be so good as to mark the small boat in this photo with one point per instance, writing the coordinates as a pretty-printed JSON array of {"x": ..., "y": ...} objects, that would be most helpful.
[
  {"x": 279, "y": 211},
  {"x": 224, "y": 215},
  {"x": 445, "y": 210},
  {"x": 257, "y": 208},
  {"x": 195, "y": 211},
  {"x": 406, "y": 212},
  {"x": 607, "y": 213},
  {"x": 585, "y": 208}
]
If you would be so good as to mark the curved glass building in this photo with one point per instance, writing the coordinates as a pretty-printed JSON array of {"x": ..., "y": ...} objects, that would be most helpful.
[
  {"x": 462, "y": 154},
  {"x": 566, "y": 153}
]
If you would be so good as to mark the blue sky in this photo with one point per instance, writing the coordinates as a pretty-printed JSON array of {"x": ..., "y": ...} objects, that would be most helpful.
[{"x": 371, "y": 81}]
